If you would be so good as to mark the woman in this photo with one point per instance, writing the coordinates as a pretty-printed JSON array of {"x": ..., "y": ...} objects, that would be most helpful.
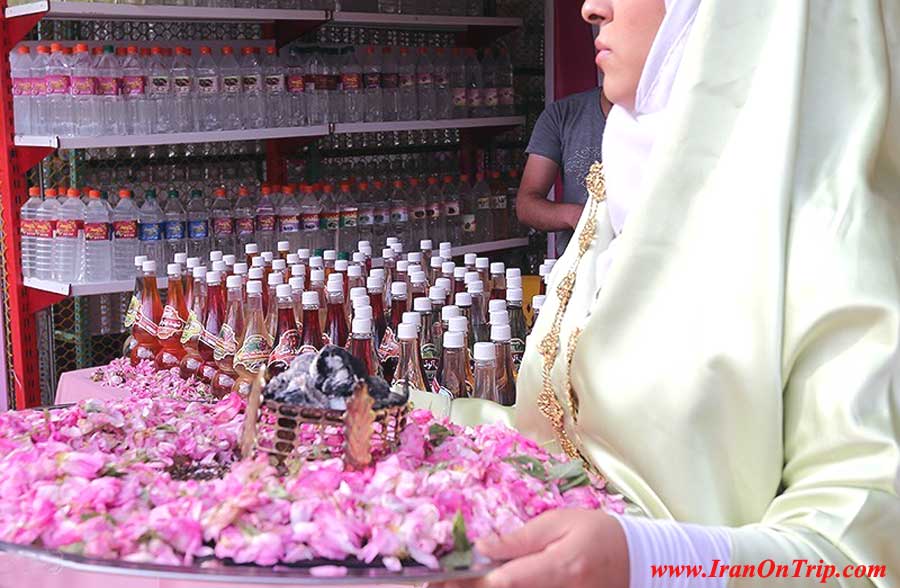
[{"x": 721, "y": 338}]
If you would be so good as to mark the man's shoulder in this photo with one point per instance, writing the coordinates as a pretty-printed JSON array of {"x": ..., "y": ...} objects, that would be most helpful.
[{"x": 576, "y": 105}]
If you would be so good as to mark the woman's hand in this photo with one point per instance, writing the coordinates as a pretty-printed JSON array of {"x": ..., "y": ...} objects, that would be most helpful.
[{"x": 559, "y": 549}]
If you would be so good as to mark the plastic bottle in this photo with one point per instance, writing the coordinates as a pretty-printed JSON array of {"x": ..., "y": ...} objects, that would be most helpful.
[
  {"x": 222, "y": 222},
  {"x": 126, "y": 243},
  {"x": 381, "y": 217},
  {"x": 244, "y": 220},
  {"x": 425, "y": 85},
  {"x": 348, "y": 232},
  {"x": 486, "y": 372},
  {"x": 459, "y": 84},
  {"x": 208, "y": 99},
  {"x": 266, "y": 220},
  {"x": 517, "y": 325},
  {"x": 287, "y": 342},
  {"x": 40, "y": 119},
  {"x": 255, "y": 346},
  {"x": 97, "y": 242},
  {"x": 484, "y": 215},
  {"x": 136, "y": 103},
  {"x": 57, "y": 84},
  {"x": 454, "y": 382},
  {"x": 372, "y": 85},
  {"x": 172, "y": 322},
  {"x": 443, "y": 91},
  {"x": 252, "y": 97},
  {"x": 231, "y": 94},
  {"x": 175, "y": 226},
  {"x": 198, "y": 232},
  {"x": 436, "y": 222},
  {"x": 289, "y": 219},
  {"x": 399, "y": 225},
  {"x": 109, "y": 93},
  {"x": 275, "y": 89},
  {"x": 474, "y": 85},
  {"x": 505, "y": 87},
  {"x": 183, "y": 74},
  {"x": 148, "y": 315},
  {"x": 389, "y": 6},
  {"x": 409, "y": 368},
  {"x": 224, "y": 378},
  {"x": 151, "y": 229},
  {"x": 316, "y": 98},
  {"x": 84, "y": 92},
  {"x": 160, "y": 92},
  {"x": 32, "y": 229},
  {"x": 332, "y": 61},
  {"x": 491, "y": 93},
  {"x": 354, "y": 108},
  {"x": 311, "y": 339},
  {"x": 296, "y": 108},
  {"x": 20, "y": 70},
  {"x": 390, "y": 85},
  {"x": 68, "y": 242},
  {"x": 408, "y": 102},
  {"x": 190, "y": 337},
  {"x": 329, "y": 219},
  {"x": 273, "y": 280}
]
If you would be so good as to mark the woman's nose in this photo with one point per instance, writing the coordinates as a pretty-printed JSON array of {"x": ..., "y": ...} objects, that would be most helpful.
[{"x": 596, "y": 12}]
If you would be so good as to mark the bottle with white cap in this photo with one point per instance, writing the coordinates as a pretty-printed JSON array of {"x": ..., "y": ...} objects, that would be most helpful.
[
  {"x": 188, "y": 276},
  {"x": 445, "y": 249},
  {"x": 171, "y": 324},
  {"x": 218, "y": 266},
  {"x": 413, "y": 318},
  {"x": 418, "y": 285},
  {"x": 506, "y": 371},
  {"x": 136, "y": 294},
  {"x": 469, "y": 260},
  {"x": 446, "y": 285},
  {"x": 447, "y": 269},
  {"x": 284, "y": 249},
  {"x": 229, "y": 264},
  {"x": 483, "y": 267},
  {"x": 146, "y": 321},
  {"x": 513, "y": 272},
  {"x": 274, "y": 280},
  {"x": 513, "y": 282},
  {"x": 431, "y": 333},
  {"x": 251, "y": 250},
  {"x": 448, "y": 312},
  {"x": 362, "y": 346},
  {"x": 287, "y": 343},
  {"x": 495, "y": 305},
  {"x": 499, "y": 317},
  {"x": 216, "y": 255},
  {"x": 452, "y": 374},
  {"x": 311, "y": 340},
  {"x": 227, "y": 344},
  {"x": 213, "y": 319},
  {"x": 359, "y": 293},
  {"x": 464, "y": 302},
  {"x": 317, "y": 285},
  {"x": 536, "y": 304},
  {"x": 268, "y": 258},
  {"x": 180, "y": 258},
  {"x": 355, "y": 277},
  {"x": 498, "y": 281},
  {"x": 330, "y": 257},
  {"x": 389, "y": 350},
  {"x": 516, "y": 324},
  {"x": 435, "y": 269},
  {"x": 190, "y": 337},
  {"x": 409, "y": 368},
  {"x": 375, "y": 286},
  {"x": 426, "y": 247},
  {"x": 296, "y": 284},
  {"x": 478, "y": 315},
  {"x": 280, "y": 266},
  {"x": 460, "y": 324},
  {"x": 472, "y": 277},
  {"x": 240, "y": 269},
  {"x": 253, "y": 352},
  {"x": 336, "y": 328},
  {"x": 485, "y": 371}
]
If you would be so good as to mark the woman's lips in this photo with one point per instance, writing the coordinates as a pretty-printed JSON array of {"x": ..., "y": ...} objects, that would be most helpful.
[{"x": 602, "y": 55}]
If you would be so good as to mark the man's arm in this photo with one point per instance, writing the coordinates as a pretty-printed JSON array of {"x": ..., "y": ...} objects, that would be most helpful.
[{"x": 532, "y": 206}]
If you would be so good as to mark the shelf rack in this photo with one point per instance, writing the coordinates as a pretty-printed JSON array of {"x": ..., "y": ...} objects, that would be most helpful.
[{"x": 18, "y": 154}]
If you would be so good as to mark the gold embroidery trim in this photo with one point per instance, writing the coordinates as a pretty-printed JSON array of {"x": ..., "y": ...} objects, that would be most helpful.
[{"x": 549, "y": 348}]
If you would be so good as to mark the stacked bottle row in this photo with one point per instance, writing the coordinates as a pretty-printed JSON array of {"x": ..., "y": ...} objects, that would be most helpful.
[
  {"x": 76, "y": 237},
  {"x": 431, "y": 7},
  {"x": 84, "y": 91},
  {"x": 454, "y": 330},
  {"x": 283, "y": 4}
]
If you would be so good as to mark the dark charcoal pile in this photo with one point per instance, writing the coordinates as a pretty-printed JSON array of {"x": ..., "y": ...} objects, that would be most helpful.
[
  {"x": 326, "y": 380},
  {"x": 184, "y": 469}
]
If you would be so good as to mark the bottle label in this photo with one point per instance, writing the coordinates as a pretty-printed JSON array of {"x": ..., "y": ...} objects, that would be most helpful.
[
  {"x": 244, "y": 225},
  {"x": 198, "y": 229},
  {"x": 223, "y": 227},
  {"x": 28, "y": 228},
  {"x": 295, "y": 84},
  {"x": 308, "y": 349},
  {"x": 434, "y": 211},
  {"x": 459, "y": 97},
  {"x": 96, "y": 231},
  {"x": 474, "y": 97},
  {"x": 108, "y": 86},
  {"x": 430, "y": 361},
  {"x": 209, "y": 339},
  {"x": 366, "y": 217},
  {"x": 326, "y": 340},
  {"x": 399, "y": 214},
  {"x": 289, "y": 223},
  {"x": 349, "y": 218},
  {"x": 451, "y": 208},
  {"x": 498, "y": 202},
  {"x": 151, "y": 231},
  {"x": 231, "y": 84},
  {"x": 265, "y": 223},
  {"x": 332, "y": 82},
  {"x": 382, "y": 216},
  {"x": 507, "y": 97},
  {"x": 192, "y": 329},
  {"x": 183, "y": 85},
  {"x": 67, "y": 229},
  {"x": 160, "y": 84},
  {"x": 251, "y": 84},
  {"x": 351, "y": 81},
  {"x": 275, "y": 84},
  {"x": 227, "y": 343},
  {"x": 441, "y": 80},
  {"x": 287, "y": 348},
  {"x": 170, "y": 325},
  {"x": 134, "y": 85},
  {"x": 253, "y": 354},
  {"x": 83, "y": 86},
  {"x": 125, "y": 229},
  {"x": 419, "y": 213},
  {"x": 38, "y": 86},
  {"x": 131, "y": 314},
  {"x": 311, "y": 221},
  {"x": 372, "y": 81},
  {"x": 425, "y": 80},
  {"x": 390, "y": 81},
  {"x": 407, "y": 81},
  {"x": 468, "y": 223},
  {"x": 484, "y": 203},
  {"x": 57, "y": 84},
  {"x": 145, "y": 323},
  {"x": 390, "y": 346},
  {"x": 208, "y": 84},
  {"x": 174, "y": 230},
  {"x": 309, "y": 82},
  {"x": 42, "y": 229},
  {"x": 518, "y": 350},
  {"x": 491, "y": 97},
  {"x": 22, "y": 86},
  {"x": 330, "y": 221}
]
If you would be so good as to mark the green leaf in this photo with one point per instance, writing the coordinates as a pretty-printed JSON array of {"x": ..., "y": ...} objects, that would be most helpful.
[
  {"x": 568, "y": 475},
  {"x": 166, "y": 428},
  {"x": 461, "y": 556},
  {"x": 529, "y": 466},
  {"x": 111, "y": 471},
  {"x": 438, "y": 433},
  {"x": 457, "y": 560}
]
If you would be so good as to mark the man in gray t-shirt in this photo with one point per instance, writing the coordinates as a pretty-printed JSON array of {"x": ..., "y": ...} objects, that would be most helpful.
[{"x": 566, "y": 140}]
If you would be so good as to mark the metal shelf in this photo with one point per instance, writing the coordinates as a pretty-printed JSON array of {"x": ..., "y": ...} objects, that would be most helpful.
[
  {"x": 155, "y": 12},
  {"x": 490, "y": 246},
  {"x": 64, "y": 289},
  {"x": 425, "y": 21},
  {"x": 428, "y": 125}
]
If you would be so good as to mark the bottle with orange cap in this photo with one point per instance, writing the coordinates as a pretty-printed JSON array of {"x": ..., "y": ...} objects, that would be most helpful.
[
  {"x": 97, "y": 239},
  {"x": 266, "y": 220},
  {"x": 68, "y": 243},
  {"x": 29, "y": 231},
  {"x": 289, "y": 218},
  {"x": 125, "y": 243},
  {"x": 149, "y": 313},
  {"x": 244, "y": 220},
  {"x": 222, "y": 222},
  {"x": 57, "y": 101}
]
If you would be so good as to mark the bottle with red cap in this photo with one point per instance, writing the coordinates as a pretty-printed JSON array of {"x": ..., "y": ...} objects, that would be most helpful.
[
  {"x": 149, "y": 312},
  {"x": 68, "y": 242},
  {"x": 252, "y": 99},
  {"x": 266, "y": 220},
  {"x": 30, "y": 231},
  {"x": 222, "y": 222},
  {"x": 173, "y": 321},
  {"x": 230, "y": 88},
  {"x": 97, "y": 239}
]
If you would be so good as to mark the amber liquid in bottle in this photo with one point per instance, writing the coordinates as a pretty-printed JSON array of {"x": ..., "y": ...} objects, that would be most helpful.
[
  {"x": 288, "y": 343},
  {"x": 452, "y": 373},
  {"x": 146, "y": 325},
  {"x": 225, "y": 377},
  {"x": 255, "y": 348},
  {"x": 363, "y": 349},
  {"x": 311, "y": 341},
  {"x": 390, "y": 346},
  {"x": 171, "y": 326},
  {"x": 131, "y": 315},
  {"x": 190, "y": 338},
  {"x": 505, "y": 374},
  {"x": 498, "y": 289},
  {"x": 212, "y": 324},
  {"x": 376, "y": 300},
  {"x": 336, "y": 330},
  {"x": 409, "y": 368}
]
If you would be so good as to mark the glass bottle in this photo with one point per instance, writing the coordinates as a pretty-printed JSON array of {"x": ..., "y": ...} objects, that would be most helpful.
[
  {"x": 375, "y": 286},
  {"x": 274, "y": 280},
  {"x": 253, "y": 354},
  {"x": 389, "y": 351},
  {"x": 146, "y": 322},
  {"x": 464, "y": 302},
  {"x": 483, "y": 267},
  {"x": 134, "y": 304},
  {"x": 486, "y": 372},
  {"x": 362, "y": 346},
  {"x": 336, "y": 330},
  {"x": 251, "y": 250},
  {"x": 213, "y": 319},
  {"x": 461, "y": 324},
  {"x": 429, "y": 338},
  {"x": 287, "y": 343},
  {"x": 452, "y": 372},
  {"x": 498, "y": 281},
  {"x": 516, "y": 324},
  {"x": 224, "y": 379},
  {"x": 409, "y": 368},
  {"x": 505, "y": 368},
  {"x": 418, "y": 283},
  {"x": 317, "y": 285},
  {"x": 171, "y": 325},
  {"x": 478, "y": 315},
  {"x": 536, "y": 304},
  {"x": 190, "y": 338},
  {"x": 296, "y": 283},
  {"x": 311, "y": 341}
]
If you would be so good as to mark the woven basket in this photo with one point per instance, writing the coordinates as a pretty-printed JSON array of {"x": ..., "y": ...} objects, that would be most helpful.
[{"x": 290, "y": 434}]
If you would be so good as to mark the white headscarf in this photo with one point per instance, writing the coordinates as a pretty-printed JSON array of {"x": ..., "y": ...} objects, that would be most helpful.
[{"x": 629, "y": 136}]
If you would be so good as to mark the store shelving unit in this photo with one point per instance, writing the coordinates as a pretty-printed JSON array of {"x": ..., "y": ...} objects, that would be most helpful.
[{"x": 18, "y": 154}]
